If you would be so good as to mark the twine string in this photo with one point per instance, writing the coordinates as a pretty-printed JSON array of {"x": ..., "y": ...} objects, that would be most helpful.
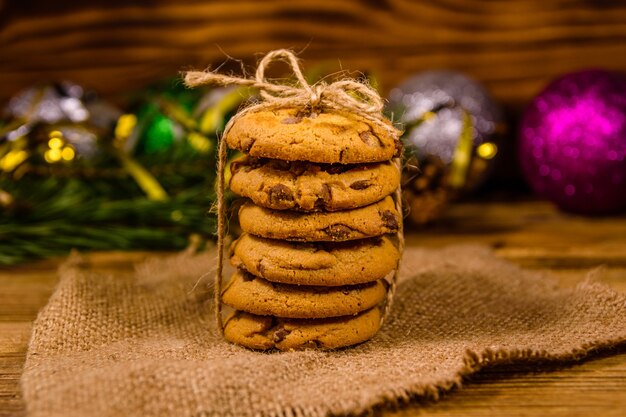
[
  {"x": 221, "y": 234},
  {"x": 343, "y": 95}
]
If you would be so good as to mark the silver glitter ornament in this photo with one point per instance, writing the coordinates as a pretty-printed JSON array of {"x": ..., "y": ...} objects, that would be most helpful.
[
  {"x": 452, "y": 132},
  {"x": 452, "y": 118},
  {"x": 61, "y": 121}
]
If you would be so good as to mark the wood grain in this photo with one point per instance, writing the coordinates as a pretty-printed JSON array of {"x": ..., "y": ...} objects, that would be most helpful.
[
  {"x": 533, "y": 234},
  {"x": 513, "y": 46},
  {"x": 593, "y": 388}
]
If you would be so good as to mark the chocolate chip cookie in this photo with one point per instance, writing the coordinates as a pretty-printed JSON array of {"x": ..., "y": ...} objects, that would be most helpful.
[
  {"x": 335, "y": 226},
  {"x": 322, "y": 263},
  {"x": 256, "y": 295},
  {"x": 267, "y": 332},
  {"x": 305, "y": 186},
  {"x": 328, "y": 137}
]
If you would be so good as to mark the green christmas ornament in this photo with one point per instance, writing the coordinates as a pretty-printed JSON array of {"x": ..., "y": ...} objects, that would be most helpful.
[{"x": 172, "y": 116}]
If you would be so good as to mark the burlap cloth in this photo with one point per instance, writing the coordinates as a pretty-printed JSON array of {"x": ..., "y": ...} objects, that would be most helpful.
[{"x": 144, "y": 344}]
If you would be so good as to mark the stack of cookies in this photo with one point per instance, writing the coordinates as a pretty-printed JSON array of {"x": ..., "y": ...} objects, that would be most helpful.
[{"x": 318, "y": 229}]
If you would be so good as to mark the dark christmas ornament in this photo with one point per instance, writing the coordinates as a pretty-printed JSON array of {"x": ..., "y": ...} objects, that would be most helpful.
[
  {"x": 47, "y": 127},
  {"x": 453, "y": 131},
  {"x": 423, "y": 192},
  {"x": 572, "y": 145}
]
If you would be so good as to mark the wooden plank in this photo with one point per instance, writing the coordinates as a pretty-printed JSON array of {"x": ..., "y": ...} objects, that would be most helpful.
[
  {"x": 514, "y": 47},
  {"x": 13, "y": 343},
  {"x": 534, "y": 234},
  {"x": 614, "y": 277},
  {"x": 597, "y": 387}
]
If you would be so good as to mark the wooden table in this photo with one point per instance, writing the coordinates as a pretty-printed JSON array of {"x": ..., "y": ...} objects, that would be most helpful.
[{"x": 532, "y": 234}]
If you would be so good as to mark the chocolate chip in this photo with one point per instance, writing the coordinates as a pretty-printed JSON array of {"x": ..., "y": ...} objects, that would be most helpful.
[
  {"x": 260, "y": 267},
  {"x": 338, "y": 231},
  {"x": 281, "y": 165},
  {"x": 360, "y": 185},
  {"x": 335, "y": 169},
  {"x": 313, "y": 344},
  {"x": 369, "y": 138},
  {"x": 255, "y": 162},
  {"x": 291, "y": 120},
  {"x": 298, "y": 168},
  {"x": 247, "y": 143},
  {"x": 280, "y": 334},
  {"x": 390, "y": 220},
  {"x": 324, "y": 197},
  {"x": 326, "y": 192},
  {"x": 279, "y": 193},
  {"x": 338, "y": 129},
  {"x": 319, "y": 203}
]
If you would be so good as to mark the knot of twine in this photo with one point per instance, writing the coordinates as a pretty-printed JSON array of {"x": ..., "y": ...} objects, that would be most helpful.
[{"x": 343, "y": 95}]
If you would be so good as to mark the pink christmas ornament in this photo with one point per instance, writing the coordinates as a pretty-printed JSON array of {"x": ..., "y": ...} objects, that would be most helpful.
[{"x": 573, "y": 142}]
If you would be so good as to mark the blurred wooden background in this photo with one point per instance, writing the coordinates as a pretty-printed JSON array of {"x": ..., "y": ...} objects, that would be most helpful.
[{"x": 513, "y": 46}]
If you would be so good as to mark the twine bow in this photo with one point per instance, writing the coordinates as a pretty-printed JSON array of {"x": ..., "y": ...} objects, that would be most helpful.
[{"x": 343, "y": 96}]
